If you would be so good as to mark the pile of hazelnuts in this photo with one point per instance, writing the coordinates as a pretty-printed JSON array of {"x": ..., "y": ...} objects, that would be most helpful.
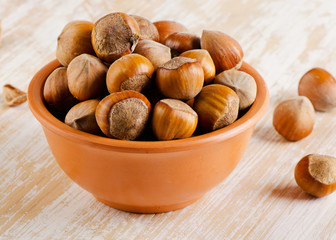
[{"x": 125, "y": 77}]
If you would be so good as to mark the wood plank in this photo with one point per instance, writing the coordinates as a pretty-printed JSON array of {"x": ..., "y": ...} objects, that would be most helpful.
[{"x": 259, "y": 200}]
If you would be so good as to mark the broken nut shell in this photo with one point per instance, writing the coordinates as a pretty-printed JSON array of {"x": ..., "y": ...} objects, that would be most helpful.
[{"x": 13, "y": 96}]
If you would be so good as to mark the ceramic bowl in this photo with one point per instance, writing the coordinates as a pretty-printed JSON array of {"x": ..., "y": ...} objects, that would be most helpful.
[{"x": 146, "y": 176}]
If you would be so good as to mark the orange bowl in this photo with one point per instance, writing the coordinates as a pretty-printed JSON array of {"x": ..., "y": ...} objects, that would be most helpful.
[{"x": 146, "y": 176}]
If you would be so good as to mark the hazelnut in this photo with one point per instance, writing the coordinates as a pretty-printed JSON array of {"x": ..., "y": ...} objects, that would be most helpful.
[
  {"x": 204, "y": 58},
  {"x": 165, "y": 28},
  {"x": 86, "y": 77},
  {"x": 316, "y": 174},
  {"x": 181, "y": 41},
  {"x": 155, "y": 52},
  {"x": 13, "y": 96},
  {"x": 82, "y": 117},
  {"x": 147, "y": 28},
  {"x": 173, "y": 119},
  {"x": 190, "y": 102},
  {"x": 320, "y": 87},
  {"x": 224, "y": 50},
  {"x": 56, "y": 92},
  {"x": 74, "y": 40},
  {"x": 294, "y": 118},
  {"x": 115, "y": 35},
  {"x": 217, "y": 106},
  {"x": 130, "y": 72},
  {"x": 242, "y": 83},
  {"x": 180, "y": 78},
  {"x": 123, "y": 115}
]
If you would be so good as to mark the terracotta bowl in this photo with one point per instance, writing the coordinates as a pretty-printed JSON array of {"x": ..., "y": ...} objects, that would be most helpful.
[{"x": 140, "y": 176}]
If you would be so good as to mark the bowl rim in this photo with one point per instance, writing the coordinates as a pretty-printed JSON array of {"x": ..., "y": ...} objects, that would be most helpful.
[{"x": 47, "y": 120}]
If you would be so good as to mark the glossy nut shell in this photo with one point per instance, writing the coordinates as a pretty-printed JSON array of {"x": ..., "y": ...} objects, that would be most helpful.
[
  {"x": 316, "y": 174},
  {"x": 173, "y": 119},
  {"x": 320, "y": 87},
  {"x": 130, "y": 72},
  {"x": 180, "y": 78},
  {"x": 217, "y": 106},
  {"x": 166, "y": 27},
  {"x": 204, "y": 58},
  {"x": 224, "y": 50}
]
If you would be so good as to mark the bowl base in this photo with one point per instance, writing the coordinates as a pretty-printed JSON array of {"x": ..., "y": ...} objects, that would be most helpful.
[{"x": 146, "y": 209}]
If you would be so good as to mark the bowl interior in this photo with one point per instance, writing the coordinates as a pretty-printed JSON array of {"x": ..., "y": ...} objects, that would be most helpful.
[{"x": 250, "y": 118}]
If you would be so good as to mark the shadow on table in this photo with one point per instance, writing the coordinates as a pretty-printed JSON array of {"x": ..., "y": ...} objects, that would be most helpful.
[
  {"x": 291, "y": 192},
  {"x": 268, "y": 134}
]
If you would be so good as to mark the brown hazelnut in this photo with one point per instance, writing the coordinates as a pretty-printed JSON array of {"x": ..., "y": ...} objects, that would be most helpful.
[
  {"x": 173, "y": 119},
  {"x": 123, "y": 115},
  {"x": 130, "y": 72},
  {"x": 294, "y": 118},
  {"x": 115, "y": 35},
  {"x": 82, "y": 117},
  {"x": 181, "y": 41},
  {"x": 316, "y": 174},
  {"x": 217, "y": 106},
  {"x": 147, "y": 28},
  {"x": 242, "y": 83},
  {"x": 155, "y": 52},
  {"x": 180, "y": 78},
  {"x": 56, "y": 92},
  {"x": 13, "y": 96},
  {"x": 86, "y": 77},
  {"x": 224, "y": 50},
  {"x": 74, "y": 40},
  {"x": 204, "y": 58},
  {"x": 320, "y": 87},
  {"x": 166, "y": 27},
  {"x": 190, "y": 102}
]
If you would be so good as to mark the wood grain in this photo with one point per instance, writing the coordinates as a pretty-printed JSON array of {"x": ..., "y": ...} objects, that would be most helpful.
[{"x": 259, "y": 200}]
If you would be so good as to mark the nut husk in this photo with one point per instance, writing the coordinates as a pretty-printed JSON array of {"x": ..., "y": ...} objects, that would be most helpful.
[{"x": 74, "y": 40}]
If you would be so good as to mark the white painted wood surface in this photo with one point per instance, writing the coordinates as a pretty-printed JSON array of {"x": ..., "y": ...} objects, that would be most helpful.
[{"x": 259, "y": 200}]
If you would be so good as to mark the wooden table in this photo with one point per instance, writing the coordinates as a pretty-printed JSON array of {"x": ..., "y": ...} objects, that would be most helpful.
[{"x": 259, "y": 200}]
